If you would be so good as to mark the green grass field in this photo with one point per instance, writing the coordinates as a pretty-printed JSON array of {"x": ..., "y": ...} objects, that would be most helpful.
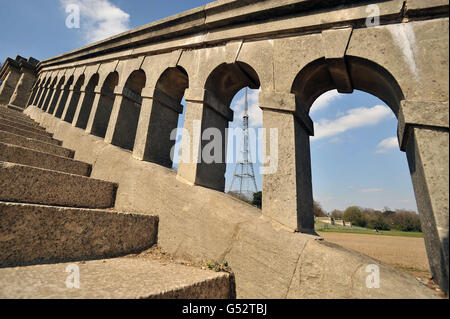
[{"x": 323, "y": 227}]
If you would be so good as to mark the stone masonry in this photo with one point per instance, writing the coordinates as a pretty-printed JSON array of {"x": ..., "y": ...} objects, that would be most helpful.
[{"x": 115, "y": 103}]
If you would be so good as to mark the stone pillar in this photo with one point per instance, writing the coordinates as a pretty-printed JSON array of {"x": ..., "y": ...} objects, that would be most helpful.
[
  {"x": 62, "y": 101},
  {"x": 56, "y": 99},
  {"x": 45, "y": 92},
  {"x": 98, "y": 95},
  {"x": 23, "y": 88},
  {"x": 80, "y": 104},
  {"x": 111, "y": 130},
  {"x": 158, "y": 117},
  {"x": 9, "y": 84},
  {"x": 424, "y": 136},
  {"x": 287, "y": 185},
  {"x": 49, "y": 98},
  {"x": 68, "y": 101},
  {"x": 37, "y": 98},
  {"x": 100, "y": 112},
  {"x": 34, "y": 92},
  {"x": 203, "y": 111}
]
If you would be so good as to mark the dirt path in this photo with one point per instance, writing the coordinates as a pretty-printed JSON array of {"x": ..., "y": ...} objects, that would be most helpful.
[{"x": 404, "y": 253}]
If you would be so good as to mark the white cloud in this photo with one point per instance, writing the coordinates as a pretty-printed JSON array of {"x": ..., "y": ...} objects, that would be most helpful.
[
  {"x": 254, "y": 111},
  {"x": 387, "y": 144},
  {"x": 354, "y": 118},
  {"x": 100, "y": 19},
  {"x": 325, "y": 100},
  {"x": 370, "y": 190}
]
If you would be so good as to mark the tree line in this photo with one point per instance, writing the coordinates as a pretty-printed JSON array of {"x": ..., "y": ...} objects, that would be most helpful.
[{"x": 387, "y": 219}]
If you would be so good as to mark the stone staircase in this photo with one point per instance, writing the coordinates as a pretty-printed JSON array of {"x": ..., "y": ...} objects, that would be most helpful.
[{"x": 52, "y": 214}]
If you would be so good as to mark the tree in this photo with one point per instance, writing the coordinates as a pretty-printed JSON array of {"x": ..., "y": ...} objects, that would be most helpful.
[
  {"x": 337, "y": 214},
  {"x": 354, "y": 215},
  {"x": 318, "y": 210},
  {"x": 379, "y": 223},
  {"x": 257, "y": 199}
]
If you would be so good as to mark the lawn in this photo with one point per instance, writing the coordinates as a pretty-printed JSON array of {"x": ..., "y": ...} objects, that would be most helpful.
[{"x": 323, "y": 227}]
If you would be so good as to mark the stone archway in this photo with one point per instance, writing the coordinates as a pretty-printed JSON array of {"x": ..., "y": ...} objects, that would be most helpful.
[
  {"x": 210, "y": 107},
  {"x": 42, "y": 96},
  {"x": 59, "y": 109},
  {"x": 123, "y": 123},
  {"x": 161, "y": 107},
  {"x": 71, "y": 108},
  {"x": 81, "y": 119},
  {"x": 101, "y": 112},
  {"x": 56, "y": 95},
  {"x": 362, "y": 74}
]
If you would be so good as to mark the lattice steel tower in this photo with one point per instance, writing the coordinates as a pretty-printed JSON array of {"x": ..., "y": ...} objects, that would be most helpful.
[{"x": 244, "y": 172}]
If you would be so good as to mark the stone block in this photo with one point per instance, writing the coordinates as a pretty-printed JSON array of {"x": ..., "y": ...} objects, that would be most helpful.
[
  {"x": 25, "y": 156},
  {"x": 26, "y": 184}
]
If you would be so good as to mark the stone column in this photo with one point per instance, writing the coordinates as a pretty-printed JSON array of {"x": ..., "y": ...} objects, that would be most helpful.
[
  {"x": 45, "y": 92},
  {"x": 23, "y": 88},
  {"x": 110, "y": 132},
  {"x": 69, "y": 99},
  {"x": 80, "y": 104},
  {"x": 32, "y": 97},
  {"x": 203, "y": 110},
  {"x": 56, "y": 99},
  {"x": 37, "y": 98},
  {"x": 9, "y": 84},
  {"x": 62, "y": 101},
  {"x": 49, "y": 98},
  {"x": 287, "y": 185},
  {"x": 424, "y": 135},
  {"x": 98, "y": 117},
  {"x": 98, "y": 95},
  {"x": 158, "y": 117}
]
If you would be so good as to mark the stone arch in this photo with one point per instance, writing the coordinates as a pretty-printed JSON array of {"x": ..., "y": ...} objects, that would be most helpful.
[
  {"x": 124, "y": 122},
  {"x": 34, "y": 92},
  {"x": 56, "y": 95},
  {"x": 229, "y": 78},
  {"x": 50, "y": 93},
  {"x": 370, "y": 77},
  {"x": 103, "y": 110},
  {"x": 40, "y": 91},
  {"x": 59, "y": 109},
  {"x": 160, "y": 112},
  {"x": 220, "y": 87},
  {"x": 44, "y": 93},
  {"x": 365, "y": 75},
  {"x": 88, "y": 101},
  {"x": 76, "y": 93}
]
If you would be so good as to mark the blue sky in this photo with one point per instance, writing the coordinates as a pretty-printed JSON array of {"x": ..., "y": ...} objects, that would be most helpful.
[{"x": 355, "y": 155}]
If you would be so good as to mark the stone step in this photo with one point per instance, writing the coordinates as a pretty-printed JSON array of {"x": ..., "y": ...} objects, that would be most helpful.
[
  {"x": 26, "y": 184},
  {"x": 24, "y": 127},
  {"x": 118, "y": 278},
  {"x": 36, "y": 136},
  {"x": 25, "y": 156},
  {"x": 31, "y": 234},
  {"x": 8, "y": 111},
  {"x": 18, "y": 140},
  {"x": 26, "y": 120},
  {"x": 30, "y": 123},
  {"x": 15, "y": 108}
]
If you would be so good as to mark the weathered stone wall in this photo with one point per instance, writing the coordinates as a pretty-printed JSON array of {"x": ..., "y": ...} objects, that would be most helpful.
[
  {"x": 304, "y": 50},
  {"x": 201, "y": 224}
]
